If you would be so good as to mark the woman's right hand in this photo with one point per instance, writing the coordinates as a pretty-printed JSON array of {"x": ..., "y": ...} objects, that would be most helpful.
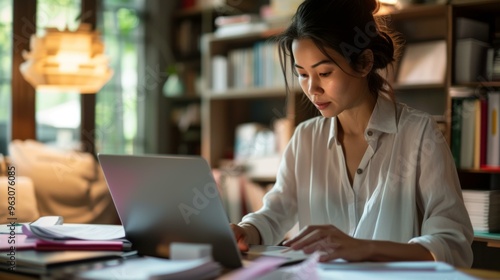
[{"x": 241, "y": 237}]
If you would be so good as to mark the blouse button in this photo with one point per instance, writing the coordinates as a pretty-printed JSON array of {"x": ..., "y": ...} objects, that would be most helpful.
[
  {"x": 359, "y": 171},
  {"x": 370, "y": 133}
]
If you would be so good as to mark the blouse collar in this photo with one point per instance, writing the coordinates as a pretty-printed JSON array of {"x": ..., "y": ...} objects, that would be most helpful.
[{"x": 383, "y": 119}]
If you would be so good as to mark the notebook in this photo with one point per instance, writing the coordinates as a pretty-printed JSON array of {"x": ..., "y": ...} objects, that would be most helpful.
[{"x": 165, "y": 199}]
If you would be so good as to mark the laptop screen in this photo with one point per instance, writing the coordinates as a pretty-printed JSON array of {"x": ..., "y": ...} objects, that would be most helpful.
[{"x": 164, "y": 199}]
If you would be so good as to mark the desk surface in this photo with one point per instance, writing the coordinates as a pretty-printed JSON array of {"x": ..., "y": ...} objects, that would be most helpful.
[
  {"x": 479, "y": 273},
  {"x": 492, "y": 239}
]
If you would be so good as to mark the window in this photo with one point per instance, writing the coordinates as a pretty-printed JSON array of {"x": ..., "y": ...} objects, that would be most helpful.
[
  {"x": 119, "y": 103},
  {"x": 58, "y": 113},
  {"x": 5, "y": 71}
]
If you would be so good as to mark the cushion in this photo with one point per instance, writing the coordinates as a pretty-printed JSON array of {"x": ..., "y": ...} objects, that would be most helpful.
[
  {"x": 67, "y": 183},
  {"x": 25, "y": 208}
]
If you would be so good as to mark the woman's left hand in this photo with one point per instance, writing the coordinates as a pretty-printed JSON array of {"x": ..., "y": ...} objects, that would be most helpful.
[{"x": 331, "y": 242}]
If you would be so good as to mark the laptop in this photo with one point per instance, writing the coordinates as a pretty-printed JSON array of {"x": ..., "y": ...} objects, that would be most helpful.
[{"x": 165, "y": 199}]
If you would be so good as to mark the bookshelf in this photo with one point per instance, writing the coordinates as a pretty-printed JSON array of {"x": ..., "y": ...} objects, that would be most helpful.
[
  {"x": 224, "y": 109},
  {"x": 256, "y": 102},
  {"x": 432, "y": 23},
  {"x": 188, "y": 24},
  {"x": 488, "y": 14},
  {"x": 417, "y": 24},
  {"x": 186, "y": 28}
]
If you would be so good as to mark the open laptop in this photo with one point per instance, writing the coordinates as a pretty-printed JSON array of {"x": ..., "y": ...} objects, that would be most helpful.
[{"x": 164, "y": 199}]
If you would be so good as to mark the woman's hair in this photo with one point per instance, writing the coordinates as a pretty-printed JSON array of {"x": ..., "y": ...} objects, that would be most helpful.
[{"x": 348, "y": 27}]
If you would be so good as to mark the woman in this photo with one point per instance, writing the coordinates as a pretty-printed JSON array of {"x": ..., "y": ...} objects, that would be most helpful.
[{"x": 372, "y": 179}]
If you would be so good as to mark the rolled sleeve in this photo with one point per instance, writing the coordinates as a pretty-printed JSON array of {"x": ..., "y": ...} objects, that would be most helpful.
[
  {"x": 279, "y": 211},
  {"x": 446, "y": 228}
]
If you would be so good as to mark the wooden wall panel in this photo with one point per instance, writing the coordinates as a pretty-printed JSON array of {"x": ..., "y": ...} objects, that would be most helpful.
[{"x": 23, "y": 125}]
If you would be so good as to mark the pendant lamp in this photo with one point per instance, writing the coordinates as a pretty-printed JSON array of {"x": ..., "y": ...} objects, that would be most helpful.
[{"x": 67, "y": 61}]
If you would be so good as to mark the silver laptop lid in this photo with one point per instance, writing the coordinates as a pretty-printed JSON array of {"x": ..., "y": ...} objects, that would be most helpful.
[{"x": 164, "y": 199}]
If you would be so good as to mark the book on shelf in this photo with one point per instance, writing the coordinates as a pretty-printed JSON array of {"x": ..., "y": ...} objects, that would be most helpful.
[
  {"x": 493, "y": 137},
  {"x": 467, "y": 136},
  {"x": 256, "y": 66},
  {"x": 483, "y": 207},
  {"x": 483, "y": 138},
  {"x": 229, "y": 20},
  {"x": 471, "y": 129},
  {"x": 240, "y": 28},
  {"x": 219, "y": 73}
]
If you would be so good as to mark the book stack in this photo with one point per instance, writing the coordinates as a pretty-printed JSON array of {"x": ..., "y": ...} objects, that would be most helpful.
[
  {"x": 47, "y": 234},
  {"x": 238, "y": 24},
  {"x": 469, "y": 129},
  {"x": 484, "y": 209}
]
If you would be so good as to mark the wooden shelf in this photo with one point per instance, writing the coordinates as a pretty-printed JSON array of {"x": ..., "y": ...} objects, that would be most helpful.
[
  {"x": 418, "y": 11},
  {"x": 181, "y": 99},
  {"x": 484, "y": 6},
  {"x": 397, "y": 87},
  {"x": 247, "y": 93},
  {"x": 492, "y": 239},
  {"x": 193, "y": 11},
  {"x": 492, "y": 84},
  {"x": 482, "y": 171},
  {"x": 248, "y": 36}
]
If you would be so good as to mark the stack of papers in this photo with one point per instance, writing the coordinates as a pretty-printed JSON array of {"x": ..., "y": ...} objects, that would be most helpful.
[
  {"x": 76, "y": 231},
  {"x": 484, "y": 209},
  {"x": 23, "y": 242},
  {"x": 87, "y": 237},
  {"x": 149, "y": 268}
]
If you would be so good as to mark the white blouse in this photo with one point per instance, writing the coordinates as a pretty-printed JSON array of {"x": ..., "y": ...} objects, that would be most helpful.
[{"x": 406, "y": 188}]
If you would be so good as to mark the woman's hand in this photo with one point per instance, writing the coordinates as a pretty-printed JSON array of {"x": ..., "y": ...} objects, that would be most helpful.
[
  {"x": 331, "y": 242},
  {"x": 241, "y": 237}
]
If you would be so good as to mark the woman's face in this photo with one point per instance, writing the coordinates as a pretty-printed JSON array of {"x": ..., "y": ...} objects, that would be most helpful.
[{"x": 325, "y": 82}]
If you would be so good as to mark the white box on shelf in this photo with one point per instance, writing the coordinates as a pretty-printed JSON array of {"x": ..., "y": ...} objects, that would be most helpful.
[
  {"x": 467, "y": 28},
  {"x": 423, "y": 63},
  {"x": 470, "y": 60}
]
